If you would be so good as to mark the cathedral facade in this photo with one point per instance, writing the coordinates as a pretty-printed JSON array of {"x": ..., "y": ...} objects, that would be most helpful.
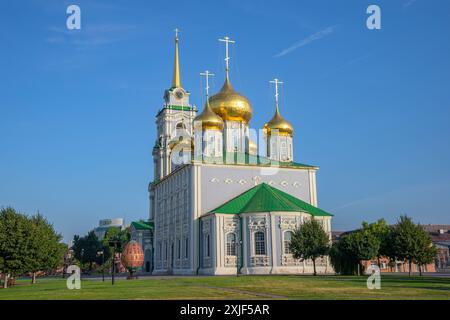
[{"x": 219, "y": 203}]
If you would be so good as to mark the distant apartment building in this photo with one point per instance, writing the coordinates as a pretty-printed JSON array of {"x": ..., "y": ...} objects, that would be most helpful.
[{"x": 105, "y": 224}]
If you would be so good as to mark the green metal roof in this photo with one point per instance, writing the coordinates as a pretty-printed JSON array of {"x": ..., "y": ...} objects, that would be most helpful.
[
  {"x": 249, "y": 159},
  {"x": 265, "y": 198},
  {"x": 142, "y": 225},
  {"x": 178, "y": 108}
]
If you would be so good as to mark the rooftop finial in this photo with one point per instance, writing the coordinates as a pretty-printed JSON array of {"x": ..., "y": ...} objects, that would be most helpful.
[
  {"x": 276, "y": 82},
  {"x": 207, "y": 74},
  {"x": 176, "y": 80},
  {"x": 227, "y": 41}
]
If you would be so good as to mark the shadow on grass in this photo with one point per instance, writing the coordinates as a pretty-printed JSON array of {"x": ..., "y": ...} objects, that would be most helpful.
[{"x": 392, "y": 278}]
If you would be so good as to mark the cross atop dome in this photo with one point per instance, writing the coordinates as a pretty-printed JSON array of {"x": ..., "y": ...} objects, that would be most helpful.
[
  {"x": 227, "y": 41},
  {"x": 276, "y": 82},
  {"x": 207, "y": 74}
]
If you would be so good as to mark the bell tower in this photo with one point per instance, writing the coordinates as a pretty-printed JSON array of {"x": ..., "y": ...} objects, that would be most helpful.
[{"x": 173, "y": 120}]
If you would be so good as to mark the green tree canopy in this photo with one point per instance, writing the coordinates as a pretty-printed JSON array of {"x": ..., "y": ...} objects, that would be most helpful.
[
  {"x": 363, "y": 244},
  {"x": 27, "y": 244},
  {"x": 411, "y": 242},
  {"x": 310, "y": 242},
  {"x": 116, "y": 234},
  {"x": 44, "y": 246},
  {"x": 85, "y": 249},
  {"x": 14, "y": 248}
]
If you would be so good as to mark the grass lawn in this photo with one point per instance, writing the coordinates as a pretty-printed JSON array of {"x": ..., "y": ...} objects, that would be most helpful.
[{"x": 228, "y": 287}]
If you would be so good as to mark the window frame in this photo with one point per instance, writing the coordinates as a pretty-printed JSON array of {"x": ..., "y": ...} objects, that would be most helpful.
[
  {"x": 258, "y": 242},
  {"x": 230, "y": 248},
  {"x": 286, "y": 247}
]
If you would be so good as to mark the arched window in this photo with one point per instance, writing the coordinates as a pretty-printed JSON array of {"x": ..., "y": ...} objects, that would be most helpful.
[
  {"x": 207, "y": 246},
  {"x": 287, "y": 242},
  {"x": 231, "y": 244},
  {"x": 186, "y": 248},
  {"x": 283, "y": 151},
  {"x": 181, "y": 125},
  {"x": 260, "y": 243}
]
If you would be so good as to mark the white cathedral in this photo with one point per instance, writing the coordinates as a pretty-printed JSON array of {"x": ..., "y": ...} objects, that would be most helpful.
[{"x": 219, "y": 204}]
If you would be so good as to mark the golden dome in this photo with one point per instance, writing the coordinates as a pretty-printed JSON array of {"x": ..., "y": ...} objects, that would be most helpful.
[
  {"x": 283, "y": 126},
  {"x": 230, "y": 105},
  {"x": 208, "y": 119}
]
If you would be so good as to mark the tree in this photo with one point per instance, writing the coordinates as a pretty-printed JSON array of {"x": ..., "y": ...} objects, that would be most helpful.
[
  {"x": 425, "y": 256},
  {"x": 310, "y": 242},
  {"x": 13, "y": 243},
  {"x": 44, "y": 246},
  {"x": 342, "y": 259},
  {"x": 380, "y": 230},
  {"x": 363, "y": 245},
  {"x": 116, "y": 234},
  {"x": 349, "y": 252},
  {"x": 85, "y": 249},
  {"x": 120, "y": 238},
  {"x": 410, "y": 242}
]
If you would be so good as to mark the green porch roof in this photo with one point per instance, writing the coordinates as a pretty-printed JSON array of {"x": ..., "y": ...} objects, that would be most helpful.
[
  {"x": 265, "y": 198},
  {"x": 142, "y": 225}
]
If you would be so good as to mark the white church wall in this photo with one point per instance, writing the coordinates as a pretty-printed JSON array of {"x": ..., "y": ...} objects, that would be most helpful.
[
  {"x": 220, "y": 183},
  {"x": 274, "y": 225},
  {"x": 174, "y": 224}
]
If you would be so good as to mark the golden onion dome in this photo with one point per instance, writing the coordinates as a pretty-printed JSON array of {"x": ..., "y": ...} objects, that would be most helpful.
[
  {"x": 208, "y": 119},
  {"x": 277, "y": 122},
  {"x": 230, "y": 105}
]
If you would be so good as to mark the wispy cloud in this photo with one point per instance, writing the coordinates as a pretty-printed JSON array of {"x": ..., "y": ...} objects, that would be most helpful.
[
  {"x": 91, "y": 35},
  {"x": 349, "y": 63},
  {"x": 316, "y": 36},
  {"x": 408, "y": 3}
]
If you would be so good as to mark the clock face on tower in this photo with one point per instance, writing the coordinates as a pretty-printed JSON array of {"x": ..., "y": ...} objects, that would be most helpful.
[{"x": 179, "y": 94}]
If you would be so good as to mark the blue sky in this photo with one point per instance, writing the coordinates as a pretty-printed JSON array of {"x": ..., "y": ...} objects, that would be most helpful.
[{"x": 370, "y": 107}]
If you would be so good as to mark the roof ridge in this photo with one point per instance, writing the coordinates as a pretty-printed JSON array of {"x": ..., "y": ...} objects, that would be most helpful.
[
  {"x": 259, "y": 187},
  {"x": 304, "y": 203},
  {"x": 281, "y": 195},
  {"x": 238, "y": 196}
]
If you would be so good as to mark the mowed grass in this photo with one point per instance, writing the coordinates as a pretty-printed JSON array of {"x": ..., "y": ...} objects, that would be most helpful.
[{"x": 243, "y": 287}]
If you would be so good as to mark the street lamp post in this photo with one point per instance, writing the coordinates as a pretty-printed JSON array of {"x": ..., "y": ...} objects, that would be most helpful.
[
  {"x": 82, "y": 254},
  {"x": 113, "y": 244},
  {"x": 102, "y": 253}
]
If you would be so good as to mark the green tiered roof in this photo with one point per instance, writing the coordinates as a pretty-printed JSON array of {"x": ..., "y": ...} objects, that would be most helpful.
[{"x": 265, "y": 198}]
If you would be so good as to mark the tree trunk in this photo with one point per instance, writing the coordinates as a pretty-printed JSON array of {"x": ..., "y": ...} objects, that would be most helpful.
[
  {"x": 5, "y": 280},
  {"x": 420, "y": 270},
  {"x": 314, "y": 266},
  {"x": 379, "y": 262},
  {"x": 409, "y": 271},
  {"x": 33, "y": 278}
]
